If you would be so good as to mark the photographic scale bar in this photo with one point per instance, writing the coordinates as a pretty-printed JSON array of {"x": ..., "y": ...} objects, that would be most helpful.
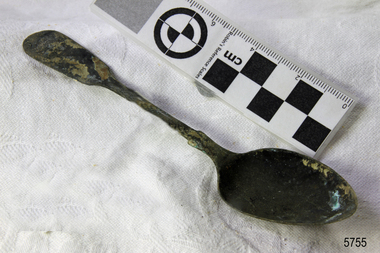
[{"x": 293, "y": 103}]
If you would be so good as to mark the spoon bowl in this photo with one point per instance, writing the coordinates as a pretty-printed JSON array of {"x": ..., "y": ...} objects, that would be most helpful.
[
  {"x": 271, "y": 184},
  {"x": 284, "y": 186}
]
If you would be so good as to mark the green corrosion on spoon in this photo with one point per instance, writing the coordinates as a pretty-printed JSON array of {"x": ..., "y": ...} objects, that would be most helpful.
[{"x": 271, "y": 184}]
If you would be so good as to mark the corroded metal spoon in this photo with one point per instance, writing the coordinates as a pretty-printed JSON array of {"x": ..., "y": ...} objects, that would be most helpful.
[{"x": 271, "y": 184}]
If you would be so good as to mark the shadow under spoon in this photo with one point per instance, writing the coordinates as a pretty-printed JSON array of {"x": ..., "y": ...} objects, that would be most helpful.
[{"x": 271, "y": 184}]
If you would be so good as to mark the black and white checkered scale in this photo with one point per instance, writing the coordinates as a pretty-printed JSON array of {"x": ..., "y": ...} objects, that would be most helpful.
[{"x": 290, "y": 105}]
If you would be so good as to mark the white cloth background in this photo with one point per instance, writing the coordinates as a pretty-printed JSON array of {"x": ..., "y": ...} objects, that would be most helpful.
[{"x": 84, "y": 170}]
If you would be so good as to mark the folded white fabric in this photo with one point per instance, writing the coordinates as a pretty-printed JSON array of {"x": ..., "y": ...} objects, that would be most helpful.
[{"x": 84, "y": 170}]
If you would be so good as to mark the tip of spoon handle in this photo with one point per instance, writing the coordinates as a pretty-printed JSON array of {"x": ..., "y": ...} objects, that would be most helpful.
[{"x": 63, "y": 54}]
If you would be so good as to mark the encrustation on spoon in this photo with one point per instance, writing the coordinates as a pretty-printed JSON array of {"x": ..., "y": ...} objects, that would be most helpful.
[{"x": 271, "y": 184}]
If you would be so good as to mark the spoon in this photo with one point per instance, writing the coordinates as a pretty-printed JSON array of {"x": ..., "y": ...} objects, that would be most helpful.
[{"x": 271, "y": 184}]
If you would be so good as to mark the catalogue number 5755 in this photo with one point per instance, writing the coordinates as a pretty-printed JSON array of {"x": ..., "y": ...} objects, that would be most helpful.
[{"x": 355, "y": 242}]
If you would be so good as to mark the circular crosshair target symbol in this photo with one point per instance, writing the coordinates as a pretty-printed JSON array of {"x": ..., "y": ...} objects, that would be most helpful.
[{"x": 180, "y": 33}]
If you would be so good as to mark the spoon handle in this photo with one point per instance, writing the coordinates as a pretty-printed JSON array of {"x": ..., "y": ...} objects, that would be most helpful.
[
  {"x": 63, "y": 54},
  {"x": 196, "y": 139}
]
